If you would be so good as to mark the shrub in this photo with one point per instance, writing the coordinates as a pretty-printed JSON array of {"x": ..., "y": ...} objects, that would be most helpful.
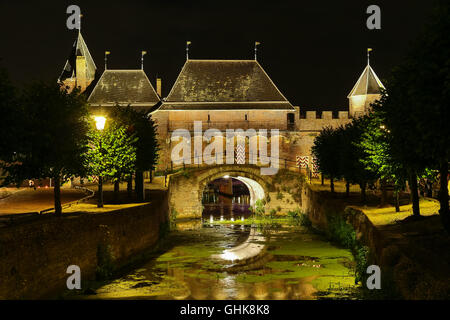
[
  {"x": 259, "y": 207},
  {"x": 341, "y": 232}
]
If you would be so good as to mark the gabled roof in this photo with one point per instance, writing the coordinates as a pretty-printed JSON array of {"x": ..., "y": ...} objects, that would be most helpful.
[
  {"x": 368, "y": 83},
  {"x": 224, "y": 84},
  {"x": 123, "y": 87},
  {"x": 79, "y": 48}
]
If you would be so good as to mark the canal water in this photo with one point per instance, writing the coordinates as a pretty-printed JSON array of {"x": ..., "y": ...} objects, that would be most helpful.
[{"x": 211, "y": 260}]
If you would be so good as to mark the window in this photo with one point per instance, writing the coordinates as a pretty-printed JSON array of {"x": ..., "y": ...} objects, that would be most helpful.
[{"x": 246, "y": 117}]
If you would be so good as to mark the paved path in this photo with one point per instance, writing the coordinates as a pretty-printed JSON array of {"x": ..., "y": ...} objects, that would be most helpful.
[{"x": 31, "y": 200}]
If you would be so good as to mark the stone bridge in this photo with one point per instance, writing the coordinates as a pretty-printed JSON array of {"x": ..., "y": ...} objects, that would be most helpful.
[{"x": 186, "y": 188}]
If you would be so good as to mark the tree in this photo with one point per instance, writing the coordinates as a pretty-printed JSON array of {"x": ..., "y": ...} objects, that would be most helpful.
[
  {"x": 111, "y": 153},
  {"x": 430, "y": 94},
  {"x": 10, "y": 115},
  {"x": 376, "y": 142},
  {"x": 326, "y": 151},
  {"x": 142, "y": 125},
  {"x": 52, "y": 136},
  {"x": 416, "y": 108},
  {"x": 351, "y": 155}
]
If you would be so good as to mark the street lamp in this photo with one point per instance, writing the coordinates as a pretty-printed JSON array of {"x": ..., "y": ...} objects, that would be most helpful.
[
  {"x": 100, "y": 125},
  {"x": 100, "y": 122}
]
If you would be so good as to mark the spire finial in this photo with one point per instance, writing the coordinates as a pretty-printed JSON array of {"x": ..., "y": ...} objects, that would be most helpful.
[
  {"x": 142, "y": 59},
  {"x": 368, "y": 55},
  {"x": 187, "y": 49},
  {"x": 256, "y": 48},
  {"x": 79, "y": 23},
  {"x": 106, "y": 58}
]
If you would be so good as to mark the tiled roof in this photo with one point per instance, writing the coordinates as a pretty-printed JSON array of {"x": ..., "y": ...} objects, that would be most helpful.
[
  {"x": 224, "y": 84},
  {"x": 124, "y": 87},
  {"x": 224, "y": 81}
]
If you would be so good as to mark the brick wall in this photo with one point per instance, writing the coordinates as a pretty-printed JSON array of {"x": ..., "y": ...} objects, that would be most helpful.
[{"x": 34, "y": 256}]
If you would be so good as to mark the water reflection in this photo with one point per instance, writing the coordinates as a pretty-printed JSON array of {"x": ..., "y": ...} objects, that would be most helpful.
[
  {"x": 252, "y": 247},
  {"x": 239, "y": 262}
]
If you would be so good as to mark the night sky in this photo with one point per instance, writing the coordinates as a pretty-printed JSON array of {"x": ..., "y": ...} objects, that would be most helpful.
[{"x": 314, "y": 51}]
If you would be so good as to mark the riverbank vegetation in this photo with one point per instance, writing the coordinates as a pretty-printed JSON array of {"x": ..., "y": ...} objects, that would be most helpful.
[{"x": 404, "y": 136}]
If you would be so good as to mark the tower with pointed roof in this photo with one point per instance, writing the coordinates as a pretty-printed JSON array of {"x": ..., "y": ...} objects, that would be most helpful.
[
  {"x": 79, "y": 70},
  {"x": 366, "y": 90}
]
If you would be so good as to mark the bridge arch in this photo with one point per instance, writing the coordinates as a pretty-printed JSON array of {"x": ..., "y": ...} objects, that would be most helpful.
[{"x": 185, "y": 190}]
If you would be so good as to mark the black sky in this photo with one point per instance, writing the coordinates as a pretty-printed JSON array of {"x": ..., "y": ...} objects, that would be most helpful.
[{"x": 313, "y": 50}]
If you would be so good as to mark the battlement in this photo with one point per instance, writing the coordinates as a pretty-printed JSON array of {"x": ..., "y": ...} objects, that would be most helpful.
[
  {"x": 317, "y": 120},
  {"x": 324, "y": 115}
]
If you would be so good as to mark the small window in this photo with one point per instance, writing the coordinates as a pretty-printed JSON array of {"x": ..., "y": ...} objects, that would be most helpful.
[
  {"x": 209, "y": 117},
  {"x": 246, "y": 118}
]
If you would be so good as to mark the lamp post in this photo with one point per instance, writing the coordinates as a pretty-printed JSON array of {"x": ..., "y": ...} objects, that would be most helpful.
[{"x": 100, "y": 125}]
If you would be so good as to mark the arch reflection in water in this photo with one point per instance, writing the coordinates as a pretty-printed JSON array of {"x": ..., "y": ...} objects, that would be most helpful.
[{"x": 249, "y": 249}]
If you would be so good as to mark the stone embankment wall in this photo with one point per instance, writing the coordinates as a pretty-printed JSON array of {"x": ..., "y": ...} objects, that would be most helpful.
[
  {"x": 34, "y": 255},
  {"x": 401, "y": 276}
]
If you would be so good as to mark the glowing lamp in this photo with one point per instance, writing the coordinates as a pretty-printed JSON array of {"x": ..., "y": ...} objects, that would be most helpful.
[{"x": 100, "y": 122}]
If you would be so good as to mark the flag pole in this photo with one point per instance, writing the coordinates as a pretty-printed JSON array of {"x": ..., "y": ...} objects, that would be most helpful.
[
  {"x": 256, "y": 49},
  {"x": 187, "y": 49},
  {"x": 79, "y": 23},
  {"x": 368, "y": 55},
  {"x": 106, "y": 58},
  {"x": 142, "y": 59}
]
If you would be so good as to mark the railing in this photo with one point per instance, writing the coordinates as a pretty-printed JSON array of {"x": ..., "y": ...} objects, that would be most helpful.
[{"x": 69, "y": 204}]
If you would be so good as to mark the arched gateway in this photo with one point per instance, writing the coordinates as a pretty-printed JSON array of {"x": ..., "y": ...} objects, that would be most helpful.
[{"x": 185, "y": 189}]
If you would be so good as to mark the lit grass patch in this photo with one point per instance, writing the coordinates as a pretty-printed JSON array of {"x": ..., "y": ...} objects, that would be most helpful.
[
  {"x": 384, "y": 216},
  {"x": 92, "y": 208}
]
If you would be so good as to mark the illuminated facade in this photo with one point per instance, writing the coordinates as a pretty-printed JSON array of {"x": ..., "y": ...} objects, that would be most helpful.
[{"x": 222, "y": 94}]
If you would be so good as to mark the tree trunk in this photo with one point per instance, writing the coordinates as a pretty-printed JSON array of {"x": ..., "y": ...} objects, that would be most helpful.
[
  {"x": 429, "y": 189},
  {"x": 363, "y": 192},
  {"x": 332, "y": 184},
  {"x": 383, "y": 199},
  {"x": 323, "y": 178},
  {"x": 116, "y": 190},
  {"x": 347, "y": 189},
  {"x": 151, "y": 175},
  {"x": 57, "y": 195},
  {"x": 443, "y": 196},
  {"x": 397, "y": 200},
  {"x": 130, "y": 186},
  {"x": 100, "y": 192},
  {"x": 414, "y": 194},
  {"x": 139, "y": 185}
]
